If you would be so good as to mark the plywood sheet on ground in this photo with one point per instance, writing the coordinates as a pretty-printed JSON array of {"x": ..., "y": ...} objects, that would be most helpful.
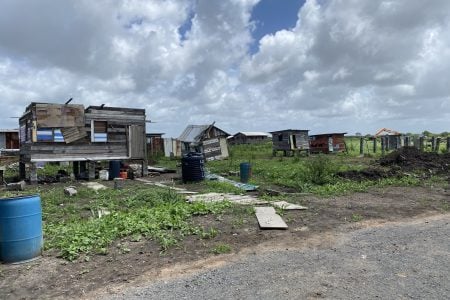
[
  {"x": 288, "y": 206},
  {"x": 268, "y": 218},
  {"x": 218, "y": 197}
]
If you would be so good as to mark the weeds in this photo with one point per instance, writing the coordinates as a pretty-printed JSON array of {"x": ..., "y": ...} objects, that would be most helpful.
[{"x": 221, "y": 249}]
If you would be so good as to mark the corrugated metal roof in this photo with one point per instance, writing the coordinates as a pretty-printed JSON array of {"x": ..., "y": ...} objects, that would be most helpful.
[
  {"x": 192, "y": 133},
  {"x": 253, "y": 133},
  {"x": 302, "y": 130}
]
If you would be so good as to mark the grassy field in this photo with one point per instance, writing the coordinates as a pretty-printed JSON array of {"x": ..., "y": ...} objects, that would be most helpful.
[{"x": 73, "y": 228}]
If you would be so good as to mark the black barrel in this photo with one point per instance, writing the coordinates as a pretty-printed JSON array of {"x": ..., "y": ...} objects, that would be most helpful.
[{"x": 192, "y": 167}]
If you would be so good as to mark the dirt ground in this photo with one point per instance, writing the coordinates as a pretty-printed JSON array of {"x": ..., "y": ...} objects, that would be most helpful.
[{"x": 51, "y": 277}]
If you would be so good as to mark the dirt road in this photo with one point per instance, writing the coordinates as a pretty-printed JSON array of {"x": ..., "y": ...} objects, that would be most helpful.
[{"x": 404, "y": 260}]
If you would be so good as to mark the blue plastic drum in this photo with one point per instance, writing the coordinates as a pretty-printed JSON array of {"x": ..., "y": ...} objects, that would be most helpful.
[{"x": 20, "y": 228}]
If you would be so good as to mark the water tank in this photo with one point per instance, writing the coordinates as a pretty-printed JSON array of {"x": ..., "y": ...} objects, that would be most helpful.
[
  {"x": 192, "y": 167},
  {"x": 245, "y": 171},
  {"x": 20, "y": 228},
  {"x": 114, "y": 169}
]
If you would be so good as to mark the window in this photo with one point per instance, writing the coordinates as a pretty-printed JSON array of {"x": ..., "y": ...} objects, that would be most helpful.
[
  {"x": 99, "y": 131},
  {"x": 280, "y": 137},
  {"x": 49, "y": 135}
]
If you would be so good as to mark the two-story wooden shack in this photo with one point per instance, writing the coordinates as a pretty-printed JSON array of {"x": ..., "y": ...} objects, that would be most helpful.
[
  {"x": 70, "y": 133},
  {"x": 327, "y": 143},
  {"x": 290, "y": 141}
]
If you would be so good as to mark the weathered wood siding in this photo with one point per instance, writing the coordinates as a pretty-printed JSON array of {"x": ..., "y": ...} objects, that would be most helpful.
[
  {"x": 288, "y": 140},
  {"x": 123, "y": 131}
]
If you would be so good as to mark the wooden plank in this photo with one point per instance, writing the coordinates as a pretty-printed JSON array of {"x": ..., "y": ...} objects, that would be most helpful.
[
  {"x": 288, "y": 206},
  {"x": 72, "y": 134},
  {"x": 268, "y": 218},
  {"x": 59, "y": 115}
]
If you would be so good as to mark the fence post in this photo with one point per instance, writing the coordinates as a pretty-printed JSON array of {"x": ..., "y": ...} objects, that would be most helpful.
[
  {"x": 433, "y": 144},
  {"x": 374, "y": 145},
  {"x": 421, "y": 143},
  {"x": 448, "y": 144},
  {"x": 406, "y": 141},
  {"x": 438, "y": 144},
  {"x": 383, "y": 146},
  {"x": 361, "y": 146}
]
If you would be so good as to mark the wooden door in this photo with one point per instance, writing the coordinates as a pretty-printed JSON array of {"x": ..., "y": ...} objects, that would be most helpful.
[{"x": 136, "y": 142}]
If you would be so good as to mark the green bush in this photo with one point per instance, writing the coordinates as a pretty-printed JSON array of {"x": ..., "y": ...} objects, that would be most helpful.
[{"x": 320, "y": 169}]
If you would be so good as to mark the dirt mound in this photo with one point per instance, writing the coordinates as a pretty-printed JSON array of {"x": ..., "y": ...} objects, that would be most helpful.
[
  {"x": 410, "y": 158},
  {"x": 367, "y": 174}
]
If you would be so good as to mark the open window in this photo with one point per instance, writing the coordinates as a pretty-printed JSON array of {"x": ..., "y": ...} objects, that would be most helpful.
[{"x": 99, "y": 131}]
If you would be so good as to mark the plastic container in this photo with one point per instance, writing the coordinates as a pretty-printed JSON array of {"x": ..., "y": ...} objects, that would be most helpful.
[
  {"x": 192, "y": 167},
  {"x": 245, "y": 171},
  {"x": 103, "y": 175},
  {"x": 20, "y": 228}
]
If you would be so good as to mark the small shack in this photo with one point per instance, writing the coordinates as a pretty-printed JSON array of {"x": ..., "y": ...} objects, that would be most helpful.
[
  {"x": 391, "y": 139},
  {"x": 249, "y": 138},
  {"x": 327, "y": 143},
  {"x": 155, "y": 144},
  {"x": 207, "y": 139},
  {"x": 9, "y": 142},
  {"x": 290, "y": 141},
  {"x": 70, "y": 133}
]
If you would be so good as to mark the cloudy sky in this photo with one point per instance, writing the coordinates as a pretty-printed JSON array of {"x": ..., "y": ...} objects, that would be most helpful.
[{"x": 249, "y": 65}]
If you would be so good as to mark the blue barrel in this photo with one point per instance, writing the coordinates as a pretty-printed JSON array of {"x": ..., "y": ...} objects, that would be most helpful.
[
  {"x": 114, "y": 169},
  {"x": 20, "y": 228},
  {"x": 192, "y": 167},
  {"x": 245, "y": 171}
]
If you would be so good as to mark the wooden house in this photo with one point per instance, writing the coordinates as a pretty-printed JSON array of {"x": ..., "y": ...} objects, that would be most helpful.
[
  {"x": 290, "y": 141},
  {"x": 207, "y": 139},
  {"x": 71, "y": 133},
  {"x": 327, "y": 143},
  {"x": 9, "y": 141},
  {"x": 249, "y": 138}
]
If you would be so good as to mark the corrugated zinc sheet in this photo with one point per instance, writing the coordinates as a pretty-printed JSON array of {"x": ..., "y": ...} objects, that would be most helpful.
[{"x": 192, "y": 133}]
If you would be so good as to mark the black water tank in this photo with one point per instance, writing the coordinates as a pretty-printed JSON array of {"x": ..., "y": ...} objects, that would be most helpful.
[{"x": 192, "y": 167}]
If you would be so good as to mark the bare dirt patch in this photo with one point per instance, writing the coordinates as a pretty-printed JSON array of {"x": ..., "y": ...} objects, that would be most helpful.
[{"x": 52, "y": 277}]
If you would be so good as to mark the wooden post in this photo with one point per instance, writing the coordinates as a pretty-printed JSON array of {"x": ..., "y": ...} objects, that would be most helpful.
[
  {"x": 374, "y": 145},
  {"x": 383, "y": 146},
  {"x": 91, "y": 170},
  {"x": 33, "y": 174},
  {"x": 433, "y": 144},
  {"x": 22, "y": 172},
  {"x": 421, "y": 143},
  {"x": 406, "y": 141},
  {"x": 76, "y": 169},
  {"x": 438, "y": 144},
  {"x": 448, "y": 144},
  {"x": 144, "y": 168},
  {"x": 361, "y": 146}
]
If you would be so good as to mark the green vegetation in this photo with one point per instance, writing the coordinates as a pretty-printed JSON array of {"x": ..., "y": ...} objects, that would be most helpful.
[
  {"x": 357, "y": 218},
  {"x": 72, "y": 225},
  {"x": 221, "y": 249}
]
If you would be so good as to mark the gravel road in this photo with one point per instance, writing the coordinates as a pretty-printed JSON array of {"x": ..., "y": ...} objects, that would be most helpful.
[{"x": 401, "y": 261}]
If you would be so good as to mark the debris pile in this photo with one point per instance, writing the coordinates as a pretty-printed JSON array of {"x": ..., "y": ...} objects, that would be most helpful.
[{"x": 410, "y": 158}]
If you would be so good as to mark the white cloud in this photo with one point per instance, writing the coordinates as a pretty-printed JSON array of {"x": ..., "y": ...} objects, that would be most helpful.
[{"x": 380, "y": 63}]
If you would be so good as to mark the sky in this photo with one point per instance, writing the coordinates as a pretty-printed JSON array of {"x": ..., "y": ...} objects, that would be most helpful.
[{"x": 323, "y": 65}]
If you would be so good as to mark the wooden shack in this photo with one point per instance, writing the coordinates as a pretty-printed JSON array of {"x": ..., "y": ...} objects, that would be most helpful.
[
  {"x": 70, "y": 133},
  {"x": 155, "y": 144},
  {"x": 249, "y": 138},
  {"x": 207, "y": 139},
  {"x": 327, "y": 143},
  {"x": 290, "y": 141},
  {"x": 9, "y": 142}
]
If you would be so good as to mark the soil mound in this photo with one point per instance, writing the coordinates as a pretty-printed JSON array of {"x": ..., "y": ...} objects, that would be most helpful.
[
  {"x": 410, "y": 158},
  {"x": 367, "y": 174}
]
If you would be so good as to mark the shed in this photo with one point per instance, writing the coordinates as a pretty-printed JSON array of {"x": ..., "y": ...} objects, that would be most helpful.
[
  {"x": 327, "y": 143},
  {"x": 207, "y": 139},
  {"x": 9, "y": 141},
  {"x": 155, "y": 144},
  {"x": 392, "y": 138},
  {"x": 290, "y": 141},
  {"x": 71, "y": 133},
  {"x": 249, "y": 138}
]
